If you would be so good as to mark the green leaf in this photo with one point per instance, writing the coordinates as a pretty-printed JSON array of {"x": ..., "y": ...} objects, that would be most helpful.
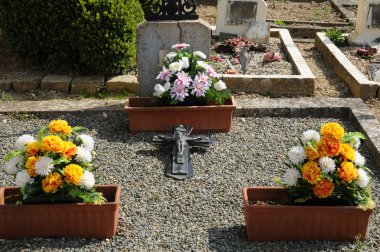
[
  {"x": 12, "y": 154},
  {"x": 61, "y": 160},
  {"x": 26, "y": 191},
  {"x": 76, "y": 129},
  {"x": 350, "y": 136},
  {"x": 41, "y": 133}
]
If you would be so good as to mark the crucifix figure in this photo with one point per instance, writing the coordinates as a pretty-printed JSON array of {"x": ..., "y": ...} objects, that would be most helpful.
[{"x": 181, "y": 162}]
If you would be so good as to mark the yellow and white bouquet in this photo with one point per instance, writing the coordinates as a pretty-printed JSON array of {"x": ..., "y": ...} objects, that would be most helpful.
[
  {"x": 327, "y": 164},
  {"x": 56, "y": 164}
]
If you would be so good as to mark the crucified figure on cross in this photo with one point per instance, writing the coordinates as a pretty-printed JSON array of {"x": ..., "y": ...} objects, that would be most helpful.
[{"x": 181, "y": 162}]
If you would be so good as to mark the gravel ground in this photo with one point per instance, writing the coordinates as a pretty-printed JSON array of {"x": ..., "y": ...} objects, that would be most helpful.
[
  {"x": 256, "y": 65},
  {"x": 203, "y": 213}
]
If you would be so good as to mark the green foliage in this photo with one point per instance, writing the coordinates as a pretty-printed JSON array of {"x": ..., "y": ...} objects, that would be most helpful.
[
  {"x": 279, "y": 22},
  {"x": 5, "y": 96},
  {"x": 336, "y": 37},
  {"x": 91, "y": 36}
]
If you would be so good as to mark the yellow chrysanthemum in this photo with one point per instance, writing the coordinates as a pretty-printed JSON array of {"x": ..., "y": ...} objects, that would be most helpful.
[
  {"x": 69, "y": 149},
  {"x": 347, "y": 172},
  {"x": 32, "y": 149},
  {"x": 52, "y": 144},
  {"x": 332, "y": 129},
  {"x": 311, "y": 172},
  {"x": 311, "y": 153},
  {"x": 31, "y": 166},
  {"x": 347, "y": 152},
  {"x": 330, "y": 145},
  {"x": 323, "y": 188},
  {"x": 60, "y": 126},
  {"x": 52, "y": 182},
  {"x": 73, "y": 173}
]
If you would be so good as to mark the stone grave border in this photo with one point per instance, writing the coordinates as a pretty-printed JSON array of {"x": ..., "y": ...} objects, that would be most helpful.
[
  {"x": 301, "y": 84},
  {"x": 352, "y": 109},
  {"x": 358, "y": 83}
]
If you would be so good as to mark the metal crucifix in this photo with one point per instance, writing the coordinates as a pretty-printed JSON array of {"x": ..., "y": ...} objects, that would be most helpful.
[{"x": 181, "y": 162}]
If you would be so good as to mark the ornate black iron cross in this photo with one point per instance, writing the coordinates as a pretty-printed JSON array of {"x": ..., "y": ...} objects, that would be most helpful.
[
  {"x": 181, "y": 162},
  {"x": 170, "y": 10}
]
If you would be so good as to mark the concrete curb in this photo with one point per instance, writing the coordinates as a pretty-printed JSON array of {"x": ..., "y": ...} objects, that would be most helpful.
[{"x": 359, "y": 85}]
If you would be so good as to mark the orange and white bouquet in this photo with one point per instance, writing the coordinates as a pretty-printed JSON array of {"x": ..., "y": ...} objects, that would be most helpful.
[
  {"x": 327, "y": 164},
  {"x": 55, "y": 164}
]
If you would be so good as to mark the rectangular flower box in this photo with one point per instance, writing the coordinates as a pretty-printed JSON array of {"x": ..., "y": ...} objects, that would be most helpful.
[
  {"x": 59, "y": 220},
  {"x": 144, "y": 117},
  {"x": 276, "y": 222}
]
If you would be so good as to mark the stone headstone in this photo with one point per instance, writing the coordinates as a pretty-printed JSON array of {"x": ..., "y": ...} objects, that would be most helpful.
[
  {"x": 236, "y": 16},
  {"x": 154, "y": 40},
  {"x": 258, "y": 32},
  {"x": 374, "y": 72},
  {"x": 367, "y": 28}
]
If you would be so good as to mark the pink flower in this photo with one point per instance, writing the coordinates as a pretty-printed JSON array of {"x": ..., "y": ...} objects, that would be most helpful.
[
  {"x": 165, "y": 74},
  {"x": 199, "y": 88},
  {"x": 202, "y": 78},
  {"x": 178, "y": 92},
  {"x": 215, "y": 58},
  {"x": 180, "y": 46},
  {"x": 183, "y": 79},
  {"x": 211, "y": 72}
]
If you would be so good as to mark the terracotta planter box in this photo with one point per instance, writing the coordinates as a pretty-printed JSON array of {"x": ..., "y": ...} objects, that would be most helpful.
[
  {"x": 59, "y": 220},
  {"x": 290, "y": 222},
  {"x": 142, "y": 117}
]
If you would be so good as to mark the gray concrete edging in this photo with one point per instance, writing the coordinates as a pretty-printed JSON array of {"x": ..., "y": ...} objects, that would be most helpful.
[{"x": 359, "y": 85}]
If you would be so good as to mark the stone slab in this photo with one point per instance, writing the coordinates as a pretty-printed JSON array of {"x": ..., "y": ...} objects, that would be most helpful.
[
  {"x": 359, "y": 85},
  {"x": 259, "y": 32},
  {"x": 60, "y": 83},
  {"x": 153, "y": 37},
  {"x": 87, "y": 84},
  {"x": 301, "y": 84},
  {"x": 26, "y": 84},
  {"x": 120, "y": 83}
]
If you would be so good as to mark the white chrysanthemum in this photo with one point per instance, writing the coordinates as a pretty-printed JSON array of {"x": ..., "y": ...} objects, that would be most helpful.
[
  {"x": 167, "y": 86},
  {"x": 158, "y": 90},
  {"x": 44, "y": 165},
  {"x": 87, "y": 142},
  {"x": 355, "y": 142},
  {"x": 327, "y": 164},
  {"x": 175, "y": 66},
  {"x": 220, "y": 85},
  {"x": 200, "y": 54},
  {"x": 88, "y": 180},
  {"x": 310, "y": 135},
  {"x": 83, "y": 155},
  {"x": 185, "y": 62},
  {"x": 359, "y": 159},
  {"x": 11, "y": 165},
  {"x": 171, "y": 55},
  {"x": 291, "y": 175},
  {"x": 202, "y": 64},
  {"x": 22, "y": 141},
  {"x": 22, "y": 178},
  {"x": 297, "y": 154},
  {"x": 363, "y": 178}
]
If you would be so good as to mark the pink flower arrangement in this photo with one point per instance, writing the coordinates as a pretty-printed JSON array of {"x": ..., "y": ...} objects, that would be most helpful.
[{"x": 188, "y": 80}]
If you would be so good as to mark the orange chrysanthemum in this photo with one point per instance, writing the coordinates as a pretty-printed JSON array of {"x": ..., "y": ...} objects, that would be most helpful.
[
  {"x": 323, "y": 188},
  {"x": 311, "y": 172},
  {"x": 52, "y": 144},
  {"x": 347, "y": 152},
  {"x": 69, "y": 149},
  {"x": 332, "y": 129},
  {"x": 330, "y": 145},
  {"x": 347, "y": 172},
  {"x": 60, "y": 126},
  {"x": 32, "y": 149},
  {"x": 52, "y": 182},
  {"x": 311, "y": 153},
  {"x": 73, "y": 173},
  {"x": 30, "y": 166}
]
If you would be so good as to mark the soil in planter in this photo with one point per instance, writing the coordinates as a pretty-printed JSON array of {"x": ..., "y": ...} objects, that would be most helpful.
[
  {"x": 256, "y": 65},
  {"x": 312, "y": 202}
]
